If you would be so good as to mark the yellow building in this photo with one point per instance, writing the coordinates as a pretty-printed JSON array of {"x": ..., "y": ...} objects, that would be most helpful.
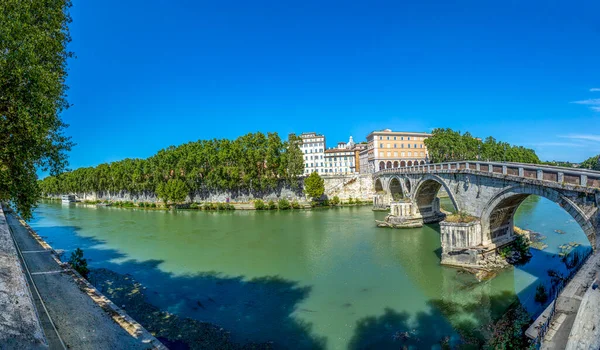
[{"x": 393, "y": 149}]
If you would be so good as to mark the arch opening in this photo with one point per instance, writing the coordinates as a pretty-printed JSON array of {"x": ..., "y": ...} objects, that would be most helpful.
[
  {"x": 409, "y": 163},
  {"x": 396, "y": 189},
  {"x": 381, "y": 165},
  {"x": 422, "y": 162},
  {"x": 402, "y": 164},
  {"x": 389, "y": 165},
  {"x": 430, "y": 199},
  {"x": 498, "y": 218},
  {"x": 395, "y": 164},
  {"x": 378, "y": 186}
]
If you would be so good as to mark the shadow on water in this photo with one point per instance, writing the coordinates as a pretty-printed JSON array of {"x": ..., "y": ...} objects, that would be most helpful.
[
  {"x": 252, "y": 311},
  {"x": 447, "y": 325}
]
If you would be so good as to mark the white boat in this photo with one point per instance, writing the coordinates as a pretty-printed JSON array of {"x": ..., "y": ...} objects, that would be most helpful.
[{"x": 68, "y": 198}]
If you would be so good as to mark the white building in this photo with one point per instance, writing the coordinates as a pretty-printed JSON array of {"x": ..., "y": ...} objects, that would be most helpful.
[
  {"x": 313, "y": 148},
  {"x": 342, "y": 160}
]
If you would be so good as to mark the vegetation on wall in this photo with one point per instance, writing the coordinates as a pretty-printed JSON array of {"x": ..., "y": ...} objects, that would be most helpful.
[
  {"x": 33, "y": 69},
  {"x": 251, "y": 162},
  {"x": 446, "y": 145}
]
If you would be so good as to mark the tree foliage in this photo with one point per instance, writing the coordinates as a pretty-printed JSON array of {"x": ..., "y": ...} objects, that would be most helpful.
[
  {"x": 33, "y": 68},
  {"x": 250, "y": 162},
  {"x": 174, "y": 190},
  {"x": 447, "y": 145},
  {"x": 591, "y": 163},
  {"x": 314, "y": 186}
]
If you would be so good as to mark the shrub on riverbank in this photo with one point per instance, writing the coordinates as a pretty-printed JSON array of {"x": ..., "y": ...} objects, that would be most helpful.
[
  {"x": 283, "y": 204},
  {"x": 335, "y": 200},
  {"x": 79, "y": 263},
  {"x": 259, "y": 204},
  {"x": 271, "y": 205},
  {"x": 295, "y": 204}
]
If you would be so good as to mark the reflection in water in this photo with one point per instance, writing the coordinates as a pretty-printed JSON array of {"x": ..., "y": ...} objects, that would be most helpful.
[{"x": 304, "y": 279}]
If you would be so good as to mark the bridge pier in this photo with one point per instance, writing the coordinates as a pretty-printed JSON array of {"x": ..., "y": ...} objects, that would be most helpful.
[{"x": 407, "y": 214}]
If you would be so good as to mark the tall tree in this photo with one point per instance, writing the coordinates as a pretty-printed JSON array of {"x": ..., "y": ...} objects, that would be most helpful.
[{"x": 33, "y": 67}]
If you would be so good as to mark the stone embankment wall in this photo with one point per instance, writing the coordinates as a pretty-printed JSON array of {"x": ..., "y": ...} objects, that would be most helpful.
[
  {"x": 355, "y": 186},
  {"x": 20, "y": 327}
]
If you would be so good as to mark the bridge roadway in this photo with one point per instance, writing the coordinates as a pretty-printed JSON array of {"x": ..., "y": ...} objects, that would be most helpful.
[{"x": 70, "y": 311}]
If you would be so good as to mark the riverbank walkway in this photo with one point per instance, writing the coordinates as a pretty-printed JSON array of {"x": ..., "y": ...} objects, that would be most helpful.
[
  {"x": 72, "y": 313},
  {"x": 573, "y": 311}
]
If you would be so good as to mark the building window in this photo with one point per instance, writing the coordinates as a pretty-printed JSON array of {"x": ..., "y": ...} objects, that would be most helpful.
[
  {"x": 381, "y": 145},
  {"x": 408, "y": 138},
  {"x": 395, "y": 146},
  {"x": 415, "y": 145},
  {"x": 421, "y": 145},
  {"x": 395, "y": 154},
  {"x": 389, "y": 154},
  {"x": 388, "y": 145},
  {"x": 388, "y": 138},
  {"x": 401, "y": 154},
  {"x": 409, "y": 145},
  {"x": 381, "y": 137},
  {"x": 394, "y": 138},
  {"x": 409, "y": 154}
]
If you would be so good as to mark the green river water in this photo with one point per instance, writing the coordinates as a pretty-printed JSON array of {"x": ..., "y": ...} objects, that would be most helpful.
[{"x": 306, "y": 278}]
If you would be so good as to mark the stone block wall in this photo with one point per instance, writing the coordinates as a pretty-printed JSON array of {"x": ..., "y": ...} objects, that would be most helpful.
[{"x": 346, "y": 186}]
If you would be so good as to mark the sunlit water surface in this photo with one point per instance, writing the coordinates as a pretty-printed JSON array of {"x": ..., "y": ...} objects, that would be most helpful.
[{"x": 304, "y": 279}]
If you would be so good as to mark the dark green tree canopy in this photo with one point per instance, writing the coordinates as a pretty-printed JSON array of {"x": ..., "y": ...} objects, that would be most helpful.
[
  {"x": 250, "y": 162},
  {"x": 447, "y": 145},
  {"x": 33, "y": 68}
]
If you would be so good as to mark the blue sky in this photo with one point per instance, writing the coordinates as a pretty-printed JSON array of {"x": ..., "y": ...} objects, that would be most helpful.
[{"x": 150, "y": 74}]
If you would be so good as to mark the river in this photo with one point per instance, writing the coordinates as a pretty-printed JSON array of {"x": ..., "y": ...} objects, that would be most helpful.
[{"x": 306, "y": 278}]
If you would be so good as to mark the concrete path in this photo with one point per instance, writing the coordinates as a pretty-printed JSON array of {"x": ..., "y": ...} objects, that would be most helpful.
[
  {"x": 568, "y": 303},
  {"x": 72, "y": 314}
]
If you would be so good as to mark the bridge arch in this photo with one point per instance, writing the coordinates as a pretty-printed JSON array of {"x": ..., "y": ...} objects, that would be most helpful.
[
  {"x": 395, "y": 188},
  {"x": 427, "y": 189},
  {"x": 497, "y": 217},
  {"x": 378, "y": 185}
]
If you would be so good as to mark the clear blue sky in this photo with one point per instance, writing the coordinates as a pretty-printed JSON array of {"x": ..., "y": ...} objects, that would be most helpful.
[{"x": 150, "y": 74}]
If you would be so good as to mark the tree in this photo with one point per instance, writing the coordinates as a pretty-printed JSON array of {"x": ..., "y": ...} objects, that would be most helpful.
[
  {"x": 33, "y": 68},
  {"x": 173, "y": 190},
  {"x": 591, "y": 163},
  {"x": 79, "y": 263},
  {"x": 314, "y": 186}
]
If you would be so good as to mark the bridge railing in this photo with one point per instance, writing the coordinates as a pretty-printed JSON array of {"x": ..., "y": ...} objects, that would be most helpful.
[{"x": 572, "y": 176}]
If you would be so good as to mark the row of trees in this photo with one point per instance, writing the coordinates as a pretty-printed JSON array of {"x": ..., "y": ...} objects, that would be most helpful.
[
  {"x": 446, "y": 145},
  {"x": 254, "y": 162}
]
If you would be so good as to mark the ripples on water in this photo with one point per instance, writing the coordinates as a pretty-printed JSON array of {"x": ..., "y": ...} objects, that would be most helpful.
[{"x": 305, "y": 279}]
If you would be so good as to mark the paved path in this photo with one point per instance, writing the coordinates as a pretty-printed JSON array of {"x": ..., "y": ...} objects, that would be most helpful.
[
  {"x": 568, "y": 304},
  {"x": 69, "y": 315}
]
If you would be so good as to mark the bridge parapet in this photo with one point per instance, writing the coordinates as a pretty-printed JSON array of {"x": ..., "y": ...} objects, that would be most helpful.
[{"x": 559, "y": 175}]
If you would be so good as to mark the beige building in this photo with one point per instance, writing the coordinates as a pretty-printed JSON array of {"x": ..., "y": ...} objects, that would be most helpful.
[{"x": 393, "y": 149}]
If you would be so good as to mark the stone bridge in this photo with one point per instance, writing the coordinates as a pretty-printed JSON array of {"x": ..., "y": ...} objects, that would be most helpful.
[{"x": 488, "y": 192}]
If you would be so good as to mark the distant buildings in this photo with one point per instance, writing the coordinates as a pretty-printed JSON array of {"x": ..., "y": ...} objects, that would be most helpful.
[
  {"x": 384, "y": 149},
  {"x": 393, "y": 149}
]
